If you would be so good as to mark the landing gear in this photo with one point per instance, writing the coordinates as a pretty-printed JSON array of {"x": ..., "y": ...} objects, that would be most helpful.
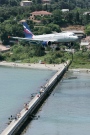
[
  {"x": 69, "y": 45},
  {"x": 57, "y": 48}
]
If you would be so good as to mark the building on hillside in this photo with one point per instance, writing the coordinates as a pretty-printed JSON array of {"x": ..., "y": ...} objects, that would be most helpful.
[
  {"x": 26, "y": 3},
  {"x": 70, "y": 50},
  {"x": 87, "y": 39},
  {"x": 4, "y": 48},
  {"x": 86, "y": 44},
  {"x": 44, "y": 2},
  {"x": 86, "y": 13},
  {"x": 65, "y": 10},
  {"x": 39, "y": 13}
]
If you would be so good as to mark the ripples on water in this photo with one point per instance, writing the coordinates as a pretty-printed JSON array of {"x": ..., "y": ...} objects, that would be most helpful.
[
  {"x": 16, "y": 87},
  {"x": 67, "y": 110}
]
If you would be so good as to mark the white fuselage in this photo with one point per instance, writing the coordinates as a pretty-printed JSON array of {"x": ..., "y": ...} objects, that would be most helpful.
[
  {"x": 53, "y": 38},
  {"x": 57, "y": 37}
]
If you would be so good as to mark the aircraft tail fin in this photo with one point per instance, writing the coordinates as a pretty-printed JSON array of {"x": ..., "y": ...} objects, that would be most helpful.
[{"x": 27, "y": 31}]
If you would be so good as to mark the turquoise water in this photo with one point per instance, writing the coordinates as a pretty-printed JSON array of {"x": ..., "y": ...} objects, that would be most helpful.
[
  {"x": 67, "y": 110},
  {"x": 16, "y": 87}
]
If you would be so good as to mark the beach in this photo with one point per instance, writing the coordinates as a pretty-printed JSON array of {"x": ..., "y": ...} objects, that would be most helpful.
[
  {"x": 41, "y": 66},
  {"x": 33, "y": 65}
]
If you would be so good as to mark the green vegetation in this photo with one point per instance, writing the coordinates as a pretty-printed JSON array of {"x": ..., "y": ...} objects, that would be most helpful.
[
  {"x": 34, "y": 54},
  {"x": 71, "y": 4},
  {"x": 81, "y": 60},
  {"x": 11, "y": 13},
  {"x": 87, "y": 29}
]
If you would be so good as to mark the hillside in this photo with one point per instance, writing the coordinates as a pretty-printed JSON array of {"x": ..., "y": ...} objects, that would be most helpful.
[{"x": 74, "y": 27}]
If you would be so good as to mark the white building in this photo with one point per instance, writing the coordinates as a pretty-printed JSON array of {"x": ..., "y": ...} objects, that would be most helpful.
[
  {"x": 26, "y": 3},
  {"x": 85, "y": 13},
  {"x": 86, "y": 44},
  {"x": 65, "y": 10}
]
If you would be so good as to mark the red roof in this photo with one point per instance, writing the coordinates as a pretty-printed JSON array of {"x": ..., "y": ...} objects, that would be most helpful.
[{"x": 41, "y": 13}]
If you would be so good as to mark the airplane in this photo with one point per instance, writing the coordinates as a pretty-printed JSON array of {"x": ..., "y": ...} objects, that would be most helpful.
[{"x": 46, "y": 39}]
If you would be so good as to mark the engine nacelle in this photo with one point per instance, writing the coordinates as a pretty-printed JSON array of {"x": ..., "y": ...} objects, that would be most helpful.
[{"x": 46, "y": 43}]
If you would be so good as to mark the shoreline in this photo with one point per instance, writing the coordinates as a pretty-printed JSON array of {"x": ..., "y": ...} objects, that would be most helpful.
[
  {"x": 80, "y": 70},
  {"x": 33, "y": 65},
  {"x": 41, "y": 66}
]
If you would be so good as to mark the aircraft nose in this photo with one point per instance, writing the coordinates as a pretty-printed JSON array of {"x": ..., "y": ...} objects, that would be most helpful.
[{"x": 76, "y": 37}]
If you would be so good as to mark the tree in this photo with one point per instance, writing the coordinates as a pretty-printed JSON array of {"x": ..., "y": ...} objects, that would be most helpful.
[
  {"x": 57, "y": 17},
  {"x": 13, "y": 2},
  {"x": 69, "y": 17},
  {"x": 3, "y": 2},
  {"x": 1, "y": 57},
  {"x": 1, "y": 19},
  {"x": 44, "y": 30},
  {"x": 77, "y": 46},
  {"x": 54, "y": 27},
  {"x": 87, "y": 18},
  {"x": 84, "y": 49},
  {"x": 8, "y": 28},
  {"x": 30, "y": 24},
  {"x": 39, "y": 51},
  {"x": 38, "y": 1},
  {"x": 87, "y": 29},
  {"x": 77, "y": 18}
]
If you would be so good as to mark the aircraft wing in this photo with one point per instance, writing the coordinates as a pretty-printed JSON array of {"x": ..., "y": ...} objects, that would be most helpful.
[
  {"x": 33, "y": 40},
  {"x": 19, "y": 38}
]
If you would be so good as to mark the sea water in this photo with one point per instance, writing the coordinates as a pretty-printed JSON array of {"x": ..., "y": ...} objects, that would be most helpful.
[
  {"x": 16, "y": 87},
  {"x": 67, "y": 110}
]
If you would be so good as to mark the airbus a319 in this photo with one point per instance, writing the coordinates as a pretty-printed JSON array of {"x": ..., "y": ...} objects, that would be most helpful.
[{"x": 47, "y": 39}]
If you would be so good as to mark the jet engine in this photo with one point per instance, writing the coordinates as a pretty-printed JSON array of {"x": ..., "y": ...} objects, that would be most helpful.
[{"x": 46, "y": 43}]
